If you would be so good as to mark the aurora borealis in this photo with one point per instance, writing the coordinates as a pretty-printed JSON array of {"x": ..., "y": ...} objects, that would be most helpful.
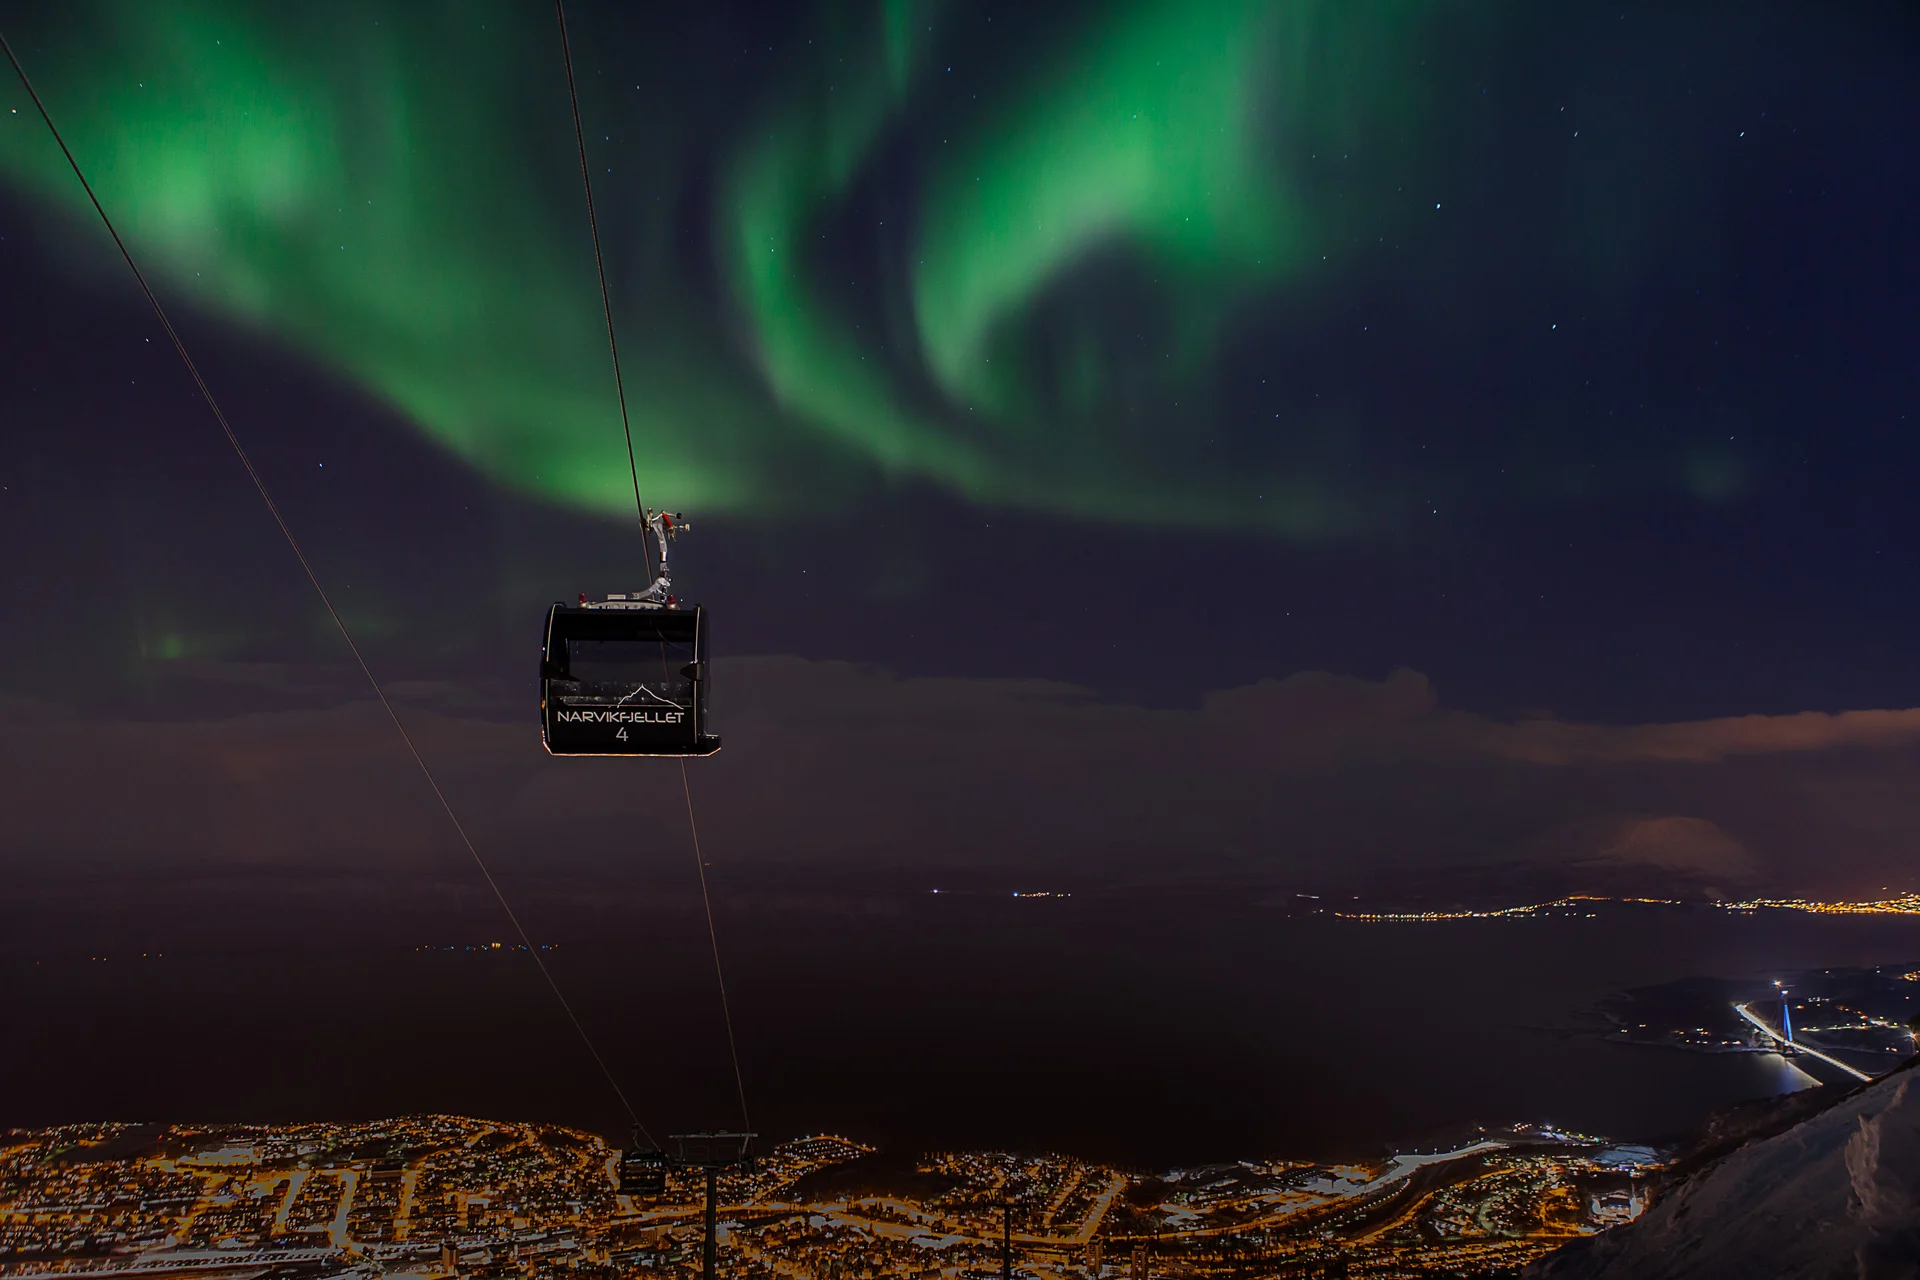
[
  {"x": 1183, "y": 460},
  {"x": 1045, "y": 261}
]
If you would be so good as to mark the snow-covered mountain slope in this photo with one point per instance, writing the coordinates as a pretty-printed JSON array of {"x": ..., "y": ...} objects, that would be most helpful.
[{"x": 1835, "y": 1197}]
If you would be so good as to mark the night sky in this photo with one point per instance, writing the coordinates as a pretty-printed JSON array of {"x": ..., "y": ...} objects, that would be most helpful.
[{"x": 1390, "y": 448}]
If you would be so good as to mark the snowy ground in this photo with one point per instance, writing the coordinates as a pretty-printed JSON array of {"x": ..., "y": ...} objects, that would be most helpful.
[{"x": 1836, "y": 1196}]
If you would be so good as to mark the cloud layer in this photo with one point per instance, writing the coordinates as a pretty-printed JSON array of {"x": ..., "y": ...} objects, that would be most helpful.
[{"x": 1310, "y": 780}]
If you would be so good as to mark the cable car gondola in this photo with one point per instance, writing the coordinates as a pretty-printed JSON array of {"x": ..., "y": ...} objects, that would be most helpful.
[
  {"x": 643, "y": 1170},
  {"x": 627, "y": 675}
]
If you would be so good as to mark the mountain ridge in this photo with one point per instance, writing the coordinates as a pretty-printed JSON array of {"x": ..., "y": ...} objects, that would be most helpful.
[{"x": 1833, "y": 1194}]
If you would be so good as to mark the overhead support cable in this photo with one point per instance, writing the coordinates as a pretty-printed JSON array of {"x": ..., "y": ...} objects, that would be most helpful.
[
  {"x": 640, "y": 511},
  {"x": 713, "y": 939},
  {"x": 606, "y": 295},
  {"x": 306, "y": 566}
]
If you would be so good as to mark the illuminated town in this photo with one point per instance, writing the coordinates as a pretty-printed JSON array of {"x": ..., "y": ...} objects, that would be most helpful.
[
  {"x": 1907, "y": 904},
  {"x": 444, "y": 1196}
]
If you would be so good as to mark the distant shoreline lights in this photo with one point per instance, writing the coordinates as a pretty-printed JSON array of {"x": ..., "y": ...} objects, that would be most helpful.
[{"x": 1904, "y": 905}]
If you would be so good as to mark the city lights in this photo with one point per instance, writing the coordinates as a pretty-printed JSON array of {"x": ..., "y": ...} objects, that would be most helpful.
[
  {"x": 440, "y": 1196},
  {"x": 1583, "y": 905}
]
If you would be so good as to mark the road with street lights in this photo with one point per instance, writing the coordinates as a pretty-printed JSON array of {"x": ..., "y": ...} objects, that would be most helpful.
[{"x": 1802, "y": 1046}]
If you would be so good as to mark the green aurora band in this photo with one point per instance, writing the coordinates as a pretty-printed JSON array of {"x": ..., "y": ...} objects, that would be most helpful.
[{"x": 393, "y": 190}]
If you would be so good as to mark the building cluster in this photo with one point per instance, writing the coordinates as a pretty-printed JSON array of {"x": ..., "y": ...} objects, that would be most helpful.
[
  {"x": 437, "y": 1197},
  {"x": 1583, "y": 906},
  {"x": 1579, "y": 906},
  {"x": 1906, "y": 904}
]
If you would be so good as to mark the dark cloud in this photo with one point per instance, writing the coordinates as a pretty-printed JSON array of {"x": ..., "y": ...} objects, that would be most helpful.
[
  {"x": 834, "y": 769},
  {"x": 1691, "y": 854}
]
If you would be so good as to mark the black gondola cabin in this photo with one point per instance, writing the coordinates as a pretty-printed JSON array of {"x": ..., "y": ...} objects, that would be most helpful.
[
  {"x": 622, "y": 679},
  {"x": 643, "y": 1172}
]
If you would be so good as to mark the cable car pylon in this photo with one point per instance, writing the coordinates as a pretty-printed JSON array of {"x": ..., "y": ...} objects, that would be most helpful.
[{"x": 710, "y": 1154}]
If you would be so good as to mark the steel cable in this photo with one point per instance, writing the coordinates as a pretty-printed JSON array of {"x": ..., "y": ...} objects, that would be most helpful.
[
  {"x": 306, "y": 566},
  {"x": 606, "y": 295},
  {"x": 640, "y": 511}
]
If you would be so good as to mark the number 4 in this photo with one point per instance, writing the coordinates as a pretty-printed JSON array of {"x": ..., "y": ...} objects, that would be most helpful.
[{"x": 622, "y": 735}]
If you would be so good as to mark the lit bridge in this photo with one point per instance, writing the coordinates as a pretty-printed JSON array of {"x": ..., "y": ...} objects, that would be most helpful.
[{"x": 1811, "y": 1052}]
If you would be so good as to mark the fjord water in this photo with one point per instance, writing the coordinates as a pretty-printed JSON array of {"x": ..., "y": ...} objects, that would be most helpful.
[{"x": 1151, "y": 1030}]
